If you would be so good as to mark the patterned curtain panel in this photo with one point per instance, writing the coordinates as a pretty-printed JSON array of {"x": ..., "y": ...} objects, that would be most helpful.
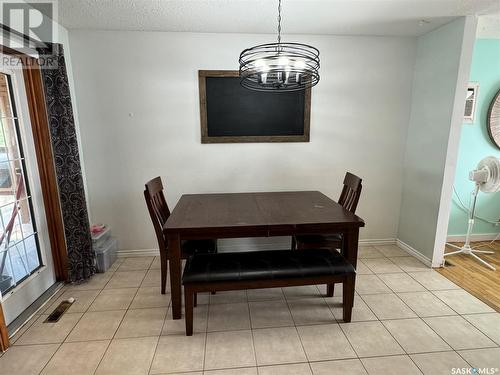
[{"x": 81, "y": 257}]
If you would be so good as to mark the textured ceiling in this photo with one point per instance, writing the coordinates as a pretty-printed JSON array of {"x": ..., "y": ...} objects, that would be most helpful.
[
  {"x": 488, "y": 27},
  {"x": 352, "y": 17}
]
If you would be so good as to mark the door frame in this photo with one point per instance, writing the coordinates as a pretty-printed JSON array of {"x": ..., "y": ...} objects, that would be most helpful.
[
  {"x": 4, "y": 334},
  {"x": 43, "y": 149}
]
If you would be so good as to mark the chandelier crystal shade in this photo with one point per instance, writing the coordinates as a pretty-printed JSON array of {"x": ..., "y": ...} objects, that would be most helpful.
[{"x": 279, "y": 67}]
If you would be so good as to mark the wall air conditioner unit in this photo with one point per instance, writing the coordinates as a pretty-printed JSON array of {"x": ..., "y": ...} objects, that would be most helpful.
[{"x": 470, "y": 102}]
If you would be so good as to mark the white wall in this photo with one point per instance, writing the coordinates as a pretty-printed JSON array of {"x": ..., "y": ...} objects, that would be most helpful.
[
  {"x": 439, "y": 87},
  {"x": 137, "y": 94}
]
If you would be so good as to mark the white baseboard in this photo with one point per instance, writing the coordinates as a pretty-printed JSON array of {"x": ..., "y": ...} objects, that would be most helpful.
[
  {"x": 253, "y": 244},
  {"x": 381, "y": 241},
  {"x": 227, "y": 245},
  {"x": 138, "y": 253},
  {"x": 473, "y": 237},
  {"x": 410, "y": 250}
]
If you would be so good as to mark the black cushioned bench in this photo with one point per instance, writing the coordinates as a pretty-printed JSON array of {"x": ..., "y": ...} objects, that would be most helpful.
[{"x": 266, "y": 269}]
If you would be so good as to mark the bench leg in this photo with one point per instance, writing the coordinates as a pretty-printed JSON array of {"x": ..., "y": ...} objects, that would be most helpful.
[
  {"x": 188, "y": 309},
  {"x": 330, "y": 290},
  {"x": 195, "y": 299},
  {"x": 348, "y": 297}
]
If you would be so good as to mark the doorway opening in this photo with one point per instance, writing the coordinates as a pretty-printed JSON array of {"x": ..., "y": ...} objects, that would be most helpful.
[{"x": 20, "y": 254}]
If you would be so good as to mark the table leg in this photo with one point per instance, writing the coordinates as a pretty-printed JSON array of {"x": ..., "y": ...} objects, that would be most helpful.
[
  {"x": 350, "y": 245},
  {"x": 174, "y": 248}
]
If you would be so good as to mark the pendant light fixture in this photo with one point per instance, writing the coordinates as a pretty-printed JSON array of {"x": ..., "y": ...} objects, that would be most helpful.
[{"x": 279, "y": 67}]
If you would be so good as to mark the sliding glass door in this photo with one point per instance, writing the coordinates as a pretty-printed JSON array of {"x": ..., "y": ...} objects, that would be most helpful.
[{"x": 26, "y": 269}]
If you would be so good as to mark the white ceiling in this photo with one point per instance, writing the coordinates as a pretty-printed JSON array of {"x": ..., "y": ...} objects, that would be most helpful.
[
  {"x": 351, "y": 17},
  {"x": 488, "y": 27}
]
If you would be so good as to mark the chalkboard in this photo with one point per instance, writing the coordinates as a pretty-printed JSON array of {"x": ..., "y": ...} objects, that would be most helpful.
[{"x": 231, "y": 113}]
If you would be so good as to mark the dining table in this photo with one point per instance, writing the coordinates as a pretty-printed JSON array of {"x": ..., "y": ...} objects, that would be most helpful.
[{"x": 261, "y": 214}]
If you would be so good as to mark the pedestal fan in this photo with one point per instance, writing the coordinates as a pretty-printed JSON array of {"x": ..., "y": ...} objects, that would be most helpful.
[{"x": 487, "y": 180}]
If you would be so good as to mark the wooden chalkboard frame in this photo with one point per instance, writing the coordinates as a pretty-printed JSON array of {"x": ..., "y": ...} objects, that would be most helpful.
[{"x": 205, "y": 138}]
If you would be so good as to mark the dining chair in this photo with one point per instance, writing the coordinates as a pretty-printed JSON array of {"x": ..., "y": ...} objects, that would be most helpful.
[
  {"x": 159, "y": 212},
  {"x": 349, "y": 198}
]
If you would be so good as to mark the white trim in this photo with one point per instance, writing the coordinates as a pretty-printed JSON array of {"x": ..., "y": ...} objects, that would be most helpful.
[
  {"x": 380, "y": 241},
  {"x": 410, "y": 250},
  {"x": 39, "y": 309},
  {"x": 368, "y": 242},
  {"x": 248, "y": 247},
  {"x": 24, "y": 294},
  {"x": 468, "y": 39},
  {"x": 473, "y": 237},
  {"x": 254, "y": 244},
  {"x": 284, "y": 243},
  {"x": 138, "y": 253}
]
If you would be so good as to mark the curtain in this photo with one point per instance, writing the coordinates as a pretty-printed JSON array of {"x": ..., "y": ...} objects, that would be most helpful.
[{"x": 81, "y": 257}]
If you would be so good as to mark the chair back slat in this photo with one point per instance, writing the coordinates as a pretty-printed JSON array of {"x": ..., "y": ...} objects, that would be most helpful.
[
  {"x": 158, "y": 209},
  {"x": 351, "y": 192}
]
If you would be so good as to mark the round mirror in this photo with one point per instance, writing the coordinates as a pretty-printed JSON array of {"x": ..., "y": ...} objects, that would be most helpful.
[{"x": 493, "y": 120}]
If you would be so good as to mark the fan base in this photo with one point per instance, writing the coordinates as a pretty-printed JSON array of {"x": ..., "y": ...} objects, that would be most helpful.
[{"x": 466, "y": 249}]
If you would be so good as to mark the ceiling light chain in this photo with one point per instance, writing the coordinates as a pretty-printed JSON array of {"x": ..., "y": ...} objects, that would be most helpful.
[{"x": 279, "y": 22}]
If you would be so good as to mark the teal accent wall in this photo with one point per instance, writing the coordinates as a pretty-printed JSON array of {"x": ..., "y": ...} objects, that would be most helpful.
[{"x": 475, "y": 143}]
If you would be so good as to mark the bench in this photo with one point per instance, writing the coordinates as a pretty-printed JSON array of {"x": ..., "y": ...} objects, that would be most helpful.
[{"x": 266, "y": 269}]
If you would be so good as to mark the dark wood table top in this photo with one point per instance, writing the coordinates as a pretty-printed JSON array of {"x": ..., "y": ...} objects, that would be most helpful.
[{"x": 262, "y": 212}]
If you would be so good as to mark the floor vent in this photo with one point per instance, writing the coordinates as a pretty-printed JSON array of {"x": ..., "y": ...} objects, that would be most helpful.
[{"x": 59, "y": 311}]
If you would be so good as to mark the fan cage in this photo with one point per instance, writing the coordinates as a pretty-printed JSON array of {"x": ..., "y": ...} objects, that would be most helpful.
[
  {"x": 492, "y": 165},
  {"x": 279, "y": 67}
]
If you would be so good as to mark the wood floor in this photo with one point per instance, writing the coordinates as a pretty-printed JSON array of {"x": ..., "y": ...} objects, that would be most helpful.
[{"x": 472, "y": 276}]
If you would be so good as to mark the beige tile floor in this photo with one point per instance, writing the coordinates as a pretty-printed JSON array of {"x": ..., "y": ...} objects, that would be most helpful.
[{"x": 407, "y": 319}]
